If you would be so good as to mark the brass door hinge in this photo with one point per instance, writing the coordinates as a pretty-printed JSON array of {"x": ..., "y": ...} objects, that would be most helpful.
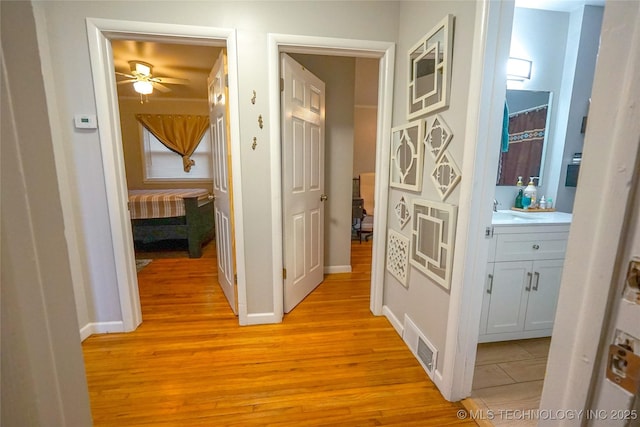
[
  {"x": 284, "y": 273},
  {"x": 226, "y": 80},
  {"x": 281, "y": 84},
  {"x": 235, "y": 279}
]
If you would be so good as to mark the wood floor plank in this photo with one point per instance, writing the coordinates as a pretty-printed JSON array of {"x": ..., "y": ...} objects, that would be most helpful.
[{"x": 331, "y": 362}]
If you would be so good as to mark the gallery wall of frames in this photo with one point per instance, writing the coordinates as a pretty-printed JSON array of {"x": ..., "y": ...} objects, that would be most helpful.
[{"x": 427, "y": 244}]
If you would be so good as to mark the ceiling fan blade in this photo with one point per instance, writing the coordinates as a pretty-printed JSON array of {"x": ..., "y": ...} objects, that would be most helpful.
[
  {"x": 126, "y": 81},
  {"x": 170, "y": 80},
  {"x": 126, "y": 75},
  {"x": 160, "y": 87}
]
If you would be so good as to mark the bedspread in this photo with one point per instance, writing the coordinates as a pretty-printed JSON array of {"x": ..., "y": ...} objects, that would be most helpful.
[{"x": 161, "y": 203}]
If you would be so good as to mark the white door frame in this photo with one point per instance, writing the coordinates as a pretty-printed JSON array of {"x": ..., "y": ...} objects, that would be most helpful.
[
  {"x": 487, "y": 90},
  {"x": 100, "y": 32},
  {"x": 385, "y": 51}
]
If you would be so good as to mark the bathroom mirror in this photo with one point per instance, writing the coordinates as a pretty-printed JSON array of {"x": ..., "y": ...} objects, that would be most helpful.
[
  {"x": 523, "y": 152},
  {"x": 430, "y": 71}
]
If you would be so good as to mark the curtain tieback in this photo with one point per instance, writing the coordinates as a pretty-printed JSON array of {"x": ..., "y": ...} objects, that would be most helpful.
[{"x": 187, "y": 162}]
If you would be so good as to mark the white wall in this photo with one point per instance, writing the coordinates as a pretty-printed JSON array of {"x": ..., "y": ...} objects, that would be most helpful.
[
  {"x": 43, "y": 380},
  {"x": 424, "y": 301},
  {"x": 71, "y": 91},
  {"x": 540, "y": 36},
  {"x": 338, "y": 74},
  {"x": 365, "y": 116},
  {"x": 583, "y": 43}
]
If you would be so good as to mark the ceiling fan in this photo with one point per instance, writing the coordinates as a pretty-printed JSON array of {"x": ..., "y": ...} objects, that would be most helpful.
[{"x": 143, "y": 80}]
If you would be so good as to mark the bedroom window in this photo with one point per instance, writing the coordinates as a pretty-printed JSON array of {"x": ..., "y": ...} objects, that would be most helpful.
[{"x": 162, "y": 164}]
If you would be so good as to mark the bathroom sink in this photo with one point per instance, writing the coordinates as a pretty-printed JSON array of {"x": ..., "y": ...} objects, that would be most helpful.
[
  {"x": 533, "y": 215},
  {"x": 509, "y": 217},
  {"x": 506, "y": 216}
]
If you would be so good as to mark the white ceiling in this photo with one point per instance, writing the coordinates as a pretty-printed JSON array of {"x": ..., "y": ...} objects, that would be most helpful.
[
  {"x": 558, "y": 5},
  {"x": 181, "y": 61}
]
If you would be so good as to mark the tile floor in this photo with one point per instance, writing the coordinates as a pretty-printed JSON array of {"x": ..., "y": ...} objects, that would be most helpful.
[{"x": 508, "y": 378}]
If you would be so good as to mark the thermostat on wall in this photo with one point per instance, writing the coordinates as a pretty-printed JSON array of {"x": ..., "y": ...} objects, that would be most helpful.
[{"x": 85, "y": 121}]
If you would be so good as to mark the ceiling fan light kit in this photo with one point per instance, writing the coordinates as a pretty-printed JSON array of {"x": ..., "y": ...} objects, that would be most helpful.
[
  {"x": 144, "y": 82},
  {"x": 143, "y": 87}
]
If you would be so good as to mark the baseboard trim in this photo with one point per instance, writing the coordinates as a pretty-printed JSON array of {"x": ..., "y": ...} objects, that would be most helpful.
[
  {"x": 397, "y": 325},
  {"x": 100, "y": 328},
  {"x": 333, "y": 269},
  {"x": 263, "y": 318},
  {"x": 438, "y": 380}
]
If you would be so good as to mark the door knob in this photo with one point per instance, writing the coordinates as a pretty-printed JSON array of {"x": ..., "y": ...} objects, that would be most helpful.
[{"x": 323, "y": 198}]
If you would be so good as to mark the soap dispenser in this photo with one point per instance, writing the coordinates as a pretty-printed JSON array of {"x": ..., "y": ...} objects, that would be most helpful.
[
  {"x": 518, "y": 203},
  {"x": 530, "y": 192}
]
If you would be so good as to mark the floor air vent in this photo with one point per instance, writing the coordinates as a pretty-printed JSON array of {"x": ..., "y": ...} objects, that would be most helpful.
[
  {"x": 425, "y": 355},
  {"x": 420, "y": 346}
]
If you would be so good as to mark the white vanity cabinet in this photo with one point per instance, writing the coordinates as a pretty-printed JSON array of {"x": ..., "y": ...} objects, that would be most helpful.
[{"x": 522, "y": 281}]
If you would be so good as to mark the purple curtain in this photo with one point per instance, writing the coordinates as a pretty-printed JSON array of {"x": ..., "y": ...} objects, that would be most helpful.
[{"x": 526, "y": 136}]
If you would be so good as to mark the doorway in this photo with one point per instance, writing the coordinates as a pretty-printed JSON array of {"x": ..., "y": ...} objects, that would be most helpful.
[
  {"x": 101, "y": 32},
  {"x": 350, "y": 138},
  {"x": 180, "y": 91},
  {"x": 384, "y": 53},
  {"x": 510, "y": 374}
]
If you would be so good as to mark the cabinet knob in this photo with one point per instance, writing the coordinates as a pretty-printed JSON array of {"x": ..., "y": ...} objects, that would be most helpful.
[{"x": 536, "y": 246}]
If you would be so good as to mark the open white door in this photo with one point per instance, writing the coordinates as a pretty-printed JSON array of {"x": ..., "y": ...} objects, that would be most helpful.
[
  {"x": 223, "y": 211},
  {"x": 303, "y": 103}
]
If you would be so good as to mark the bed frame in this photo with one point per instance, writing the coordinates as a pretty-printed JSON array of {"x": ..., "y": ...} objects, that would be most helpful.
[{"x": 197, "y": 226}]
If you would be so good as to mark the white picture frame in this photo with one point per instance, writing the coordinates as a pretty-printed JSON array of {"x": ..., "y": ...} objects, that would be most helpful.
[
  {"x": 429, "y": 70},
  {"x": 407, "y": 156},
  {"x": 433, "y": 227}
]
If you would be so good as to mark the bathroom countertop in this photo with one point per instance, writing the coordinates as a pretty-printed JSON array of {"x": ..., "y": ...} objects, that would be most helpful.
[{"x": 509, "y": 217}]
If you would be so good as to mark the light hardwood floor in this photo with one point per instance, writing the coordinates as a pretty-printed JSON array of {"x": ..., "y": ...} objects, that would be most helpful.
[
  {"x": 331, "y": 362},
  {"x": 508, "y": 379}
]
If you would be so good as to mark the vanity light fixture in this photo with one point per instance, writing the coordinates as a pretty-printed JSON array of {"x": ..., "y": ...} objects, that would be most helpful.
[{"x": 518, "y": 69}]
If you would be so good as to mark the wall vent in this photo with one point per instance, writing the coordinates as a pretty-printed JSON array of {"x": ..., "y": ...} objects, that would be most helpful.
[
  {"x": 425, "y": 355},
  {"x": 420, "y": 346}
]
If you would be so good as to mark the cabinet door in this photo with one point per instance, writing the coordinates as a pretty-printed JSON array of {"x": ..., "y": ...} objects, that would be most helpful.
[
  {"x": 507, "y": 306},
  {"x": 543, "y": 298}
]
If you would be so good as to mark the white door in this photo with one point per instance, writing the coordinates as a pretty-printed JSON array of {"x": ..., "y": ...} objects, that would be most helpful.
[
  {"x": 509, "y": 293},
  {"x": 543, "y": 297},
  {"x": 303, "y": 103},
  {"x": 223, "y": 207}
]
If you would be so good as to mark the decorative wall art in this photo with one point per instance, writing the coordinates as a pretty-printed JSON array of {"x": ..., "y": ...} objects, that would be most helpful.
[
  {"x": 430, "y": 70},
  {"x": 437, "y": 138},
  {"x": 402, "y": 212},
  {"x": 445, "y": 175},
  {"x": 432, "y": 239},
  {"x": 398, "y": 256},
  {"x": 407, "y": 156}
]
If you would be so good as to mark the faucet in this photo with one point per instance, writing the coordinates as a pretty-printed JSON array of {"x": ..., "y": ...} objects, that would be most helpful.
[{"x": 495, "y": 205}]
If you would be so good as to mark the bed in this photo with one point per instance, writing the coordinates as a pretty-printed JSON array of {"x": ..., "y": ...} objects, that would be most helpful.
[{"x": 183, "y": 214}]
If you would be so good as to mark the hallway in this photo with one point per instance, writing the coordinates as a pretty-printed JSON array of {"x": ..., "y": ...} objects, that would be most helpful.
[{"x": 331, "y": 362}]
